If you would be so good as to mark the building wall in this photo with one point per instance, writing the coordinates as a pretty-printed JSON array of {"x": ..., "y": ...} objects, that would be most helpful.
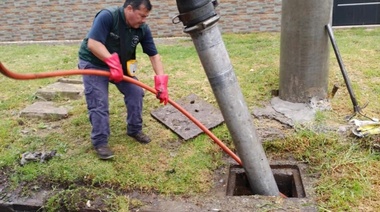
[{"x": 45, "y": 20}]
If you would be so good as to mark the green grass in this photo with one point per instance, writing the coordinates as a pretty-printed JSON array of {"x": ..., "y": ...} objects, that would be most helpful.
[{"x": 346, "y": 169}]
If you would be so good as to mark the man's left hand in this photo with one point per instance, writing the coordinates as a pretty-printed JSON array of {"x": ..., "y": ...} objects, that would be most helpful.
[{"x": 161, "y": 86}]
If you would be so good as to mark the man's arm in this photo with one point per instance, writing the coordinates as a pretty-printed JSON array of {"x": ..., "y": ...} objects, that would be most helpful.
[
  {"x": 157, "y": 64},
  {"x": 98, "y": 34},
  {"x": 98, "y": 49},
  {"x": 113, "y": 62}
]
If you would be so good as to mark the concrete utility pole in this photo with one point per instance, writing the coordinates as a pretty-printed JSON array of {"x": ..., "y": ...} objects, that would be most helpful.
[
  {"x": 304, "y": 54},
  {"x": 200, "y": 21}
]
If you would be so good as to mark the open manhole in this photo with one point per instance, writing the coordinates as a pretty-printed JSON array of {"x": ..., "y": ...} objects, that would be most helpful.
[{"x": 287, "y": 177}]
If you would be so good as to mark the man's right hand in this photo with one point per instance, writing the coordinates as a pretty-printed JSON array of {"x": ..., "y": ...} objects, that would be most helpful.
[{"x": 116, "y": 71}]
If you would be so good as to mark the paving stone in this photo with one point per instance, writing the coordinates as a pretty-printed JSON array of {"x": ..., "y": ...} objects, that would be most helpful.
[
  {"x": 71, "y": 80},
  {"x": 44, "y": 110},
  {"x": 30, "y": 203},
  {"x": 61, "y": 89},
  {"x": 204, "y": 112}
]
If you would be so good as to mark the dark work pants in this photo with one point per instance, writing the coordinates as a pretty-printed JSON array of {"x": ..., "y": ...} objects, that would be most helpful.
[{"x": 96, "y": 93}]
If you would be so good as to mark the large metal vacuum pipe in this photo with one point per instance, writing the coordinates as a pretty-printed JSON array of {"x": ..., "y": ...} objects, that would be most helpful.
[
  {"x": 304, "y": 57},
  {"x": 200, "y": 21}
]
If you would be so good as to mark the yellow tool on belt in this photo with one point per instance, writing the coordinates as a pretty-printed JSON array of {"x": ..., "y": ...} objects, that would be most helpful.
[{"x": 131, "y": 67}]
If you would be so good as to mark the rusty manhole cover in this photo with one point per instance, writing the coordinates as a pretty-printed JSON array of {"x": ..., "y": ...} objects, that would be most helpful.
[{"x": 204, "y": 112}]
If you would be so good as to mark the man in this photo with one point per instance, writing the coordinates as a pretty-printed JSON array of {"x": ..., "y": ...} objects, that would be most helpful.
[{"x": 110, "y": 45}]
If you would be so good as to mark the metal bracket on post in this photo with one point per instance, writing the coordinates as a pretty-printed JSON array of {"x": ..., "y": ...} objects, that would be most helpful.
[
  {"x": 203, "y": 25},
  {"x": 203, "y": 16}
]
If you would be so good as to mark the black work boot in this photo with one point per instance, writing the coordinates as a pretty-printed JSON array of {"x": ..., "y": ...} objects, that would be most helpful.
[
  {"x": 104, "y": 152},
  {"x": 140, "y": 137}
]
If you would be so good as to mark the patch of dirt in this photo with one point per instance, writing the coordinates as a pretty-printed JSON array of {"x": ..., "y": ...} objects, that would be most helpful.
[{"x": 31, "y": 197}]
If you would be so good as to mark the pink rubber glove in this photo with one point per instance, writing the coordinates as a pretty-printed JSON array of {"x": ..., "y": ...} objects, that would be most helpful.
[
  {"x": 115, "y": 68},
  {"x": 161, "y": 86}
]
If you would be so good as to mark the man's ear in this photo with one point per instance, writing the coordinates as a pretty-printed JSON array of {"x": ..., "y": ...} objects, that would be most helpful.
[{"x": 129, "y": 8}]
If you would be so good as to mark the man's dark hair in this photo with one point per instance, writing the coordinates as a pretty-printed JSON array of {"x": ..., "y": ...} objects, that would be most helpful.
[{"x": 136, "y": 4}]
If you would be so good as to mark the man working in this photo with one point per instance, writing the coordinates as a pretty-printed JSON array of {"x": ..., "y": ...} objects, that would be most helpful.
[{"x": 111, "y": 45}]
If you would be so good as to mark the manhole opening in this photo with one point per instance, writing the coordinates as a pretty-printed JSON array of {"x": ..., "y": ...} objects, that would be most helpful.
[{"x": 287, "y": 177}]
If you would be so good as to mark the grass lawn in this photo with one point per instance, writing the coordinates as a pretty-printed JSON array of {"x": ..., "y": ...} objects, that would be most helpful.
[{"x": 347, "y": 168}]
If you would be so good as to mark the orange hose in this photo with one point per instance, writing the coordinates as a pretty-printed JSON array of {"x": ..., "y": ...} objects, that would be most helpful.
[{"x": 17, "y": 76}]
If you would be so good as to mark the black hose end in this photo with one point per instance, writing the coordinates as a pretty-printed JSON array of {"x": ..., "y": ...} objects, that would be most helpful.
[{"x": 193, "y": 12}]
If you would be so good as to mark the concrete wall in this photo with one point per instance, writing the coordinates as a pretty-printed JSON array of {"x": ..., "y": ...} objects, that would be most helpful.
[{"x": 43, "y": 20}]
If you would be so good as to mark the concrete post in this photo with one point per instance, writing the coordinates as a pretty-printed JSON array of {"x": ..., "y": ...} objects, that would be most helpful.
[
  {"x": 216, "y": 63},
  {"x": 304, "y": 55}
]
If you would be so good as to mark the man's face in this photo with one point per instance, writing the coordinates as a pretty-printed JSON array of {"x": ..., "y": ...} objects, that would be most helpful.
[{"x": 135, "y": 18}]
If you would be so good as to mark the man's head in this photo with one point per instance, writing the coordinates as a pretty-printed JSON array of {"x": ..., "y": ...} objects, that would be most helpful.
[{"x": 136, "y": 12}]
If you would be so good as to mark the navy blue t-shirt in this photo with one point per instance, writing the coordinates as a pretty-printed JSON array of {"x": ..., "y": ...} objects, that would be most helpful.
[{"x": 102, "y": 26}]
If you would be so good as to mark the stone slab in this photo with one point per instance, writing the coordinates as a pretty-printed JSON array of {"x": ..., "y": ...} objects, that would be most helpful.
[
  {"x": 71, "y": 80},
  {"x": 204, "y": 112},
  {"x": 60, "y": 89},
  {"x": 44, "y": 110},
  {"x": 28, "y": 203}
]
